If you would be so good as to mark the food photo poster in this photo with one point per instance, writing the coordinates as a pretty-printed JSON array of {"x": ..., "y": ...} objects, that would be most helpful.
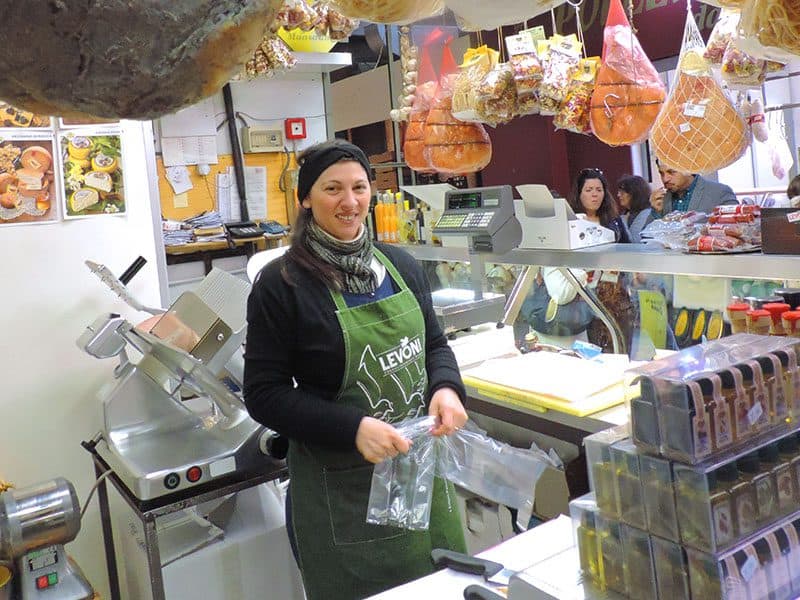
[
  {"x": 27, "y": 177},
  {"x": 92, "y": 177}
]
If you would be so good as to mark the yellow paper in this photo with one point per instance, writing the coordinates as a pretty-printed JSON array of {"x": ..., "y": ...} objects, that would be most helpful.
[
  {"x": 653, "y": 316},
  {"x": 180, "y": 200}
]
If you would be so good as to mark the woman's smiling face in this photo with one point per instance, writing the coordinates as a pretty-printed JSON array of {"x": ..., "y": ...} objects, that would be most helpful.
[{"x": 339, "y": 199}]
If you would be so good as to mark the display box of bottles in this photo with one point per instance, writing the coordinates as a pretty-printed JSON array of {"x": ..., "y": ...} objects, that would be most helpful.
[{"x": 715, "y": 397}]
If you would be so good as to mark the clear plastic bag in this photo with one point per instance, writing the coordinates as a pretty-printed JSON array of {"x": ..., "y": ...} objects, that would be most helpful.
[
  {"x": 399, "y": 12},
  {"x": 771, "y": 29},
  {"x": 740, "y": 70},
  {"x": 573, "y": 115},
  {"x": 476, "y": 65},
  {"x": 698, "y": 130},
  {"x": 402, "y": 487},
  {"x": 721, "y": 35},
  {"x": 497, "y": 95},
  {"x": 628, "y": 93},
  {"x": 560, "y": 58},
  {"x": 527, "y": 71}
]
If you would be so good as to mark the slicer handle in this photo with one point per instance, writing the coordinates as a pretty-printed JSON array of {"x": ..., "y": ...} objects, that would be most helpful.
[{"x": 131, "y": 271}]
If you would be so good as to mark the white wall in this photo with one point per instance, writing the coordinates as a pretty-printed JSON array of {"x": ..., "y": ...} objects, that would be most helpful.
[{"x": 48, "y": 403}]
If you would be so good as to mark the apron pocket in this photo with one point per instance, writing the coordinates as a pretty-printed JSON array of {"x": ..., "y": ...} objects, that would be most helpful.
[{"x": 347, "y": 494}]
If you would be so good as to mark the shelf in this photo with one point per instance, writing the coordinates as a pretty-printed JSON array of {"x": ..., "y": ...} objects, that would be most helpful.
[
  {"x": 320, "y": 62},
  {"x": 635, "y": 257}
]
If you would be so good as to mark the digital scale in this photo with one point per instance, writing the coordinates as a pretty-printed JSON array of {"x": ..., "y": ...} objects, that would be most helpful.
[{"x": 485, "y": 216}]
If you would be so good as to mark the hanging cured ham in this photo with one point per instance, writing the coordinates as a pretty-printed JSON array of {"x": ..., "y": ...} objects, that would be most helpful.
[
  {"x": 628, "y": 92},
  {"x": 124, "y": 59}
]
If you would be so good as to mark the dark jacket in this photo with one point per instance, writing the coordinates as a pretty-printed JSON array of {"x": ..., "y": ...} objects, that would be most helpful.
[
  {"x": 707, "y": 194},
  {"x": 293, "y": 333}
]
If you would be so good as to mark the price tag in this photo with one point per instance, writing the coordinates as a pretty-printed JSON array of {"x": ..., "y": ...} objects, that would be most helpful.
[
  {"x": 694, "y": 110},
  {"x": 749, "y": 568},
  {"x": 755, "y": 412},
  {"x": 537, "y": 33},
  {"x": 793, "y": 217},
  {"x": 520, "y": 44},
  {"x": 684, "y": 127}
]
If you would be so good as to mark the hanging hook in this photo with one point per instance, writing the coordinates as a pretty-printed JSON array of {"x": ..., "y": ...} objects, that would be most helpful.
[
  {"x": 576, "y": 4},
  {"x": 608, "y": 111}
]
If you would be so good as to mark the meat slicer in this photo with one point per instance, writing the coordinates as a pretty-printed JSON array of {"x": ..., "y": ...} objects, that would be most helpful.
[
  {"x": 171, "y": 419},
  {"x": 35, "y": 523}
]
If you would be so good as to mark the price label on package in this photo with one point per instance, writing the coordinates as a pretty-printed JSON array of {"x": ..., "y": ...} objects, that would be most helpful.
[
  {"x": 755, "y": 412},
  {"x": 694, "y": 110},
  {"x": 520, "y": 44}
]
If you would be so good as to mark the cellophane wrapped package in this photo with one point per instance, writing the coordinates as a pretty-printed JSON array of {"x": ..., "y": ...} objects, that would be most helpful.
[
  {"x": 527, "y": 70},
  {"x": 771, "y": 29},
  {"x": 698, "y": 130},
  {"x": 474, "y": 67},
  {"x": 573, "y": 115},
  {"x": 721, "y": 35},
  {"x": 628, "y": 93},
  {"x": 560, "y": 57},
  {"x": 389, "y": 11},
  {"x": 452, "y": 146},
  {"x": 497, "y": 95},
  {"x": 740, "y": 71},
  {"x": 474, "y": 15}
]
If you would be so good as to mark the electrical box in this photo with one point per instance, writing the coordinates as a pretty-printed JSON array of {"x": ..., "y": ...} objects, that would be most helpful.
[
  {"x": 295, "y": 129},
  {"x": 262, "y": 140}
]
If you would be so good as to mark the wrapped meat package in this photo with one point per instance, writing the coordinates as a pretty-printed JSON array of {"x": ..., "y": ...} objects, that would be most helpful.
[
  {"x": 628, "y": 93},
  {"x": 721, "y": 36},
  {"x": 389, "y": 11},
  {"x": 698, "y": 130},
  {"x": 452, "y": 146},
  {"x": 424, "y": 94}
]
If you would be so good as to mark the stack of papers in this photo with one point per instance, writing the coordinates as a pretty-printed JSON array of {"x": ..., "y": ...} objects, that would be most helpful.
[{"x": 206, "y": 226}]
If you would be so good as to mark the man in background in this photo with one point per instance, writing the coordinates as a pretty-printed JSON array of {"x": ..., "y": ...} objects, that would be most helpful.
[{"x": 684, "y": 192}]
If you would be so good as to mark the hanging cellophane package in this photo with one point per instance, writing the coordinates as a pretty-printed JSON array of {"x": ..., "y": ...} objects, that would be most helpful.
[
  {"x": 452, "y": 146},
  {"x": 527, "y": 69},
  {"x": 560, "y": 57},
  {"x": 474, "y": 15},
  {"x": 628, "y": 93},
  {"x": 771, "y": 29},
  {"x": 497, "y": 95},
  {"x": 698, "y": 130},
  {"x": 399, "y": 12},
  {"x": 721, "y": 35},
  {"x": 424, "y": 93},
  {"x": 573, "y": 115},
  {"x": 740, "y": 71},
  {"x": 474, "y": 67}
]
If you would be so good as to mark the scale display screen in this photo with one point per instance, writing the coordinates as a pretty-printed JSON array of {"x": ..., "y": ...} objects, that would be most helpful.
[{"x": 463, "y": 201}]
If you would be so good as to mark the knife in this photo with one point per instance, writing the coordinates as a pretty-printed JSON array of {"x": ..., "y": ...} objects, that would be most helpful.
[{"x": 492, "y": 572}]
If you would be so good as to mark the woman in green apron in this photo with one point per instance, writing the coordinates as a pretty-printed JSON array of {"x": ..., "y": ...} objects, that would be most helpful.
[{"x": 343, "y": 344}]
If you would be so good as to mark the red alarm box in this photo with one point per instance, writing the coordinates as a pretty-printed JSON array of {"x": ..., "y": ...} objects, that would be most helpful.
[{"x": 295, "y": 129}]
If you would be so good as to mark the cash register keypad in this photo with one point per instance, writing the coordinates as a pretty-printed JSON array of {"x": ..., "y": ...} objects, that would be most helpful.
[{"x": 466, "y": 221}]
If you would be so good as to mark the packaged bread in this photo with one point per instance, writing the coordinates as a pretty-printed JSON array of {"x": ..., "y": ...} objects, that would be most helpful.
[
  {"x": 573, "y": 115},
  {"x": 698, "y": 130},
  {"x": 389, "y": 11},
  {"x": 453, "y": 146},
  {"x": 628, "y": 93},
  {"x": 475, "y": 66},
  {"x": 527, "y": 70}
]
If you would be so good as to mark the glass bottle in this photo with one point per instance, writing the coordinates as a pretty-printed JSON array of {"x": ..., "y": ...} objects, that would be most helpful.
[
  {"x": 774, "y": 563},
  {"x": 775, "y": 387},
  {"x": 765, "y": 484},
  {"x": 743, "y": 494},
  {"x": 604, "y": 490},
  {"x": 738, "y": 402},
  {"x": 758, "y": 415},
  {"x": 587, "y": 546},
  {"x": 791, "y": 532},
  {"x": 753, "y": 573},
  {"x": 720, "y": 501},
  {"x": 718, "y": 413},
  {"x": 789, "y": 452}
]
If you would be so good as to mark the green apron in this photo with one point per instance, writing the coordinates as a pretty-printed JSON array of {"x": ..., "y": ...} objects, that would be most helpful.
[{"x": 341, "y": 555}]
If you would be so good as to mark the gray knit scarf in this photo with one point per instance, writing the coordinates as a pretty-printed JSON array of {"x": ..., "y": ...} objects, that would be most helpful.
[{"x": 353, "y": 259}]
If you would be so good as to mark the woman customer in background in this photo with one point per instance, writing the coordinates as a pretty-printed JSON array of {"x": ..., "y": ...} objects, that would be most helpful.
[
  {"x": 343, "y": 343},
  {"x": 590, "y": 195},
  {"x": 633, "y": 194}
]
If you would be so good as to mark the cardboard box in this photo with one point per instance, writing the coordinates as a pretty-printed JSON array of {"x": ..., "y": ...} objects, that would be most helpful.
[{"x": 780, "y": 230}]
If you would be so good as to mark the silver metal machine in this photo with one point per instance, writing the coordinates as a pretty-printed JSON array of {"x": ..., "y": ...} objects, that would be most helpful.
[
  {"x": 485, "y": 218},
  {"x": 35, "y": 523},
  {"x": 170, "y": 423}
]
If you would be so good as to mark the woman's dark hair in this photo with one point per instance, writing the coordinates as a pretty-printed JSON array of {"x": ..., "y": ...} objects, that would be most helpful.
[
  {"x": 608, "y": 208},
  {"x": 639, "y": 190},
  {"x": 298, "y": 253},
  {"x": 794, "y": 187}
]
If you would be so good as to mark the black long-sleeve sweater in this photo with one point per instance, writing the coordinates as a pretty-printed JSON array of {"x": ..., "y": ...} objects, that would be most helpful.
[{"x": 293, "y": 332}]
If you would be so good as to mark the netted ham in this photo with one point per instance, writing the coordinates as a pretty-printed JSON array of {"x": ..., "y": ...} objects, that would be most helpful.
[
  {"x": 122, "y": 59},
  {"x": 698, "y": 130},
  {"x": 628, "y": 92},
  {"x": 414, "y": 144},
  {"x": 452, "y": 146}
]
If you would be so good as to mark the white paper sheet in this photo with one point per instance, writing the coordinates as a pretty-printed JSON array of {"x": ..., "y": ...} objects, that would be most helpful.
[
  {"x": 194, "y": 150},
  {"x": 178, "y": 178},
  {"x": 255, "y": 181}
]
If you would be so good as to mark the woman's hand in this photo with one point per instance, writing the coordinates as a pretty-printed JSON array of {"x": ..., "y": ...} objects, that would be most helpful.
[
  {"x": 449, "y": 412},
  {"x": 378, "y": 441}
]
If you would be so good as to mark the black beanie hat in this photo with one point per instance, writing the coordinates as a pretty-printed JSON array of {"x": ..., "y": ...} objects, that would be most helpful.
[{"x": 319, "y": 157}]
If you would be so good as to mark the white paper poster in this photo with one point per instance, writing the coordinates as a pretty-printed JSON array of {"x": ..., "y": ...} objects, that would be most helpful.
[{"x": 255, "y": 181}]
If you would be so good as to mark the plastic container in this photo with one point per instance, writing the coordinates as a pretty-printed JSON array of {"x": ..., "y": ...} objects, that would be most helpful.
[
  {"x": 759, "y": 321},
  {"x": 584, "y": 513},
  {"x": 637, "y": 554},
  {"x": 611, "y": 555},
  {"x": 791, "y": 322},
  {"x": 737, "y": 315},
  {"x": 628, "y": 483},
  {"x": 601, "y": 470},
  {"x": 776, "y": 309},
  {"x": 659, "y": 497}
]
